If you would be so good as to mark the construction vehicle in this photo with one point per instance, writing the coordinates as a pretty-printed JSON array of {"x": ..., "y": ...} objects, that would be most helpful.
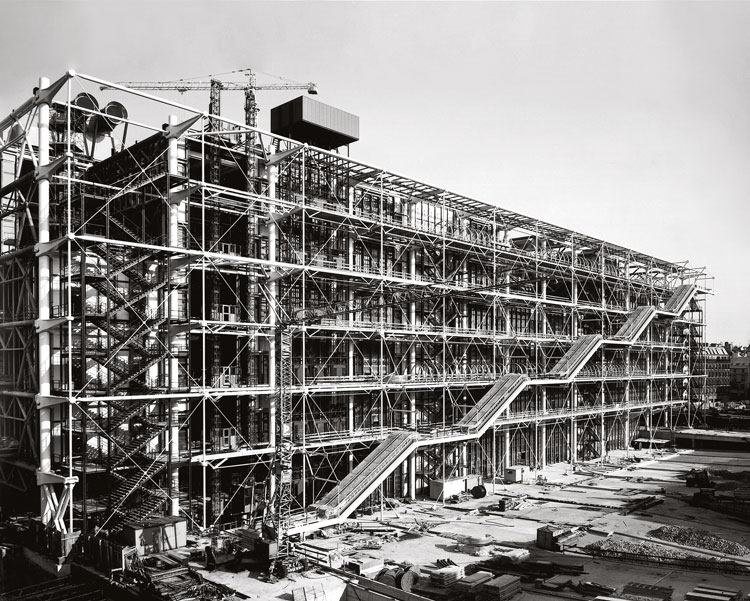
[{"x": 699, "y": 479}]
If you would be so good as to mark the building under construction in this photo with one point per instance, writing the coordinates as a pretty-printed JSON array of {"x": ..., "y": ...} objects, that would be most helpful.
[{"x": 207, "y": 320}]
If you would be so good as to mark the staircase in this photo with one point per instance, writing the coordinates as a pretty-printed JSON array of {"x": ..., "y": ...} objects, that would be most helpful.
[
  {"x": 129, "y": 334},
  {"x": 642, "y": 316},
  {"x": 145, "y": 469},
  {"x": 135, "y": 443},
  {"x": 126, "y": 411},
  {"x": 679, "y": 301},
  {"x": 391, "y": 452},
  {"x": 637, "y": 322},
  {"x": 348, "y": 494},
  {"x": 493, "y": 403},
  {"x": 576, "y": 357},
  {"x": 365, "y": 478},
  {"x": 152, "y": 504},
  {"x": 126, "y": 372}
]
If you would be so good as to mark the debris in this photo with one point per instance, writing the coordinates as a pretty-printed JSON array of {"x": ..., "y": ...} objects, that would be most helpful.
[
  {"x": 699, "y": 479},
  {"x": 314, "y": 592},
  {"x": 637, "y": 548}
]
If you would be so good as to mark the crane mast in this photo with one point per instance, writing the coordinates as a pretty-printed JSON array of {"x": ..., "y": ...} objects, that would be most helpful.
[{"x": 216, "y": 86}]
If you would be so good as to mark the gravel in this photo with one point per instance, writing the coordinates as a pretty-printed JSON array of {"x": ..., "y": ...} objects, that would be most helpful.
[
  {"x": 639, "y": 548},
  {"x": 701, "y": 539}
]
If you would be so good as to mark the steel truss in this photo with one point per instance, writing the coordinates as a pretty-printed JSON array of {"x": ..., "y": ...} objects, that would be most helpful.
[{"x": 143, "y": 293}]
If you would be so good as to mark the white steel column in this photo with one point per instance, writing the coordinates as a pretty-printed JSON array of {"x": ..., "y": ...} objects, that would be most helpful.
[
  {"x": 507, "y": 309},
  {"x": 464, "y": 458},
  {"x": 412, "y": 461},
  {"x": 574, "y": 310},
  {"x": 352, "y": 316},
  {"x": 542, "y": 428},
  {"x": 543, "y": 306},
  {"x": 627, "y": 429},
  {"x": 413, "y": 312},
  {"x": 412, "y": 468},
  {"x": 273, "y": 291},
  {"x": 350, "y": 412},
  {"x": 178, "y": 405},
  {"x": 352, "y": 313},
  {"x": 573, "y": 426},
  {"x": 43, "y": 299},
  {"x": 506, "y": 450}
]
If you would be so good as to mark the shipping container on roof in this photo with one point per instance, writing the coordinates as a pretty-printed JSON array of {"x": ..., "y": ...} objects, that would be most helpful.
[{"x": 316, "y": 123}]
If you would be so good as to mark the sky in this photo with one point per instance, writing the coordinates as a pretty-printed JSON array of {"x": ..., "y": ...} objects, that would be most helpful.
[{"x": 629, "y": 121}]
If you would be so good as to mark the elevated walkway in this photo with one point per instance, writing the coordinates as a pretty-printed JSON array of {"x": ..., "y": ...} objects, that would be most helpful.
[
  {"x": 492, "y": 404},
  {"x": 378, "y": 465},
  {"x": 573, "y": 361},
  {"x": 367, "y": 476},
  {"x": 641, "y": 317},
  {"x": 393, "y": 450},
  {"x": 679, "y": 300},
  {"x": 636, "y": 324}
]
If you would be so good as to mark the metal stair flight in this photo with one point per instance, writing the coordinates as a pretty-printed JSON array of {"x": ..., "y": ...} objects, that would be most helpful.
[
  {"x": 679, "y": 301},
  {"x": 636, "y": 324},
  {"x": 573, "y": 361},
  {"x": 378, "y": 465},
  {"x": 363, "y": 480}
]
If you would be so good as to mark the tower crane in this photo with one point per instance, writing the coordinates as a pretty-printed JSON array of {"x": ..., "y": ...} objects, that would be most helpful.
[{"x": 215, "y": 87}]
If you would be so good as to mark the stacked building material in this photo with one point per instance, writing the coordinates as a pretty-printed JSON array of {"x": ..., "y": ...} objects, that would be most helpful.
[
  {"x": 706, "y": 593},
  {"x": 586, "y": 587},
  {"x": 471, "y": 582},
  {"x": 364, "y": 565},
  {"x": 448, "y": 576},
  {"x": 502, "y": 587},
  {"x": 649, "y": 591}
]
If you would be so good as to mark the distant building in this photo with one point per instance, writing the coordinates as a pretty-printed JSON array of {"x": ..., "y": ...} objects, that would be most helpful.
[
  {"x": 739, "y": 377},
  {"x": 717, "y": 370}
]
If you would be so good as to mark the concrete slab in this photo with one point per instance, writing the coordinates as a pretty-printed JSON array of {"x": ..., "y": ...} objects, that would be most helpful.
[{"x": 591, "y": 497}]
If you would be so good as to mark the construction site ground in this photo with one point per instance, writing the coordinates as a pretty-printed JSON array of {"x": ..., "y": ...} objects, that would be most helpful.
[{"x": 595, "y": 496}]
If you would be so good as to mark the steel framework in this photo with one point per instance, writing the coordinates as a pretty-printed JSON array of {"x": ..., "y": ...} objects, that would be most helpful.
[{"x": 143, "y": 288}]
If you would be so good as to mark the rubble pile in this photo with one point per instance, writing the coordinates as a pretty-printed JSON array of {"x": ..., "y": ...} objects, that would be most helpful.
[
  {"x": 701, "y": 539},
  {"x": 637, "y": 548}
]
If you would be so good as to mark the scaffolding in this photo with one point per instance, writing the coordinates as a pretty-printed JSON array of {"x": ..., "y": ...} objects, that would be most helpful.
[{"x": 144, "y": 287}]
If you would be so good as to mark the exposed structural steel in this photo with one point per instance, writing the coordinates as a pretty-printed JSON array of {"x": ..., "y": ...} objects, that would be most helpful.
[
  {"x": 147, "y": 287},
  {"x": 360, "y": 482},
  {"x": 216, "y": 86}
]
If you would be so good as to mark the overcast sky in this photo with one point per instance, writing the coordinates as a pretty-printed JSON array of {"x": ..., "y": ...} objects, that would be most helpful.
[{"x": 629, "y": 122}]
